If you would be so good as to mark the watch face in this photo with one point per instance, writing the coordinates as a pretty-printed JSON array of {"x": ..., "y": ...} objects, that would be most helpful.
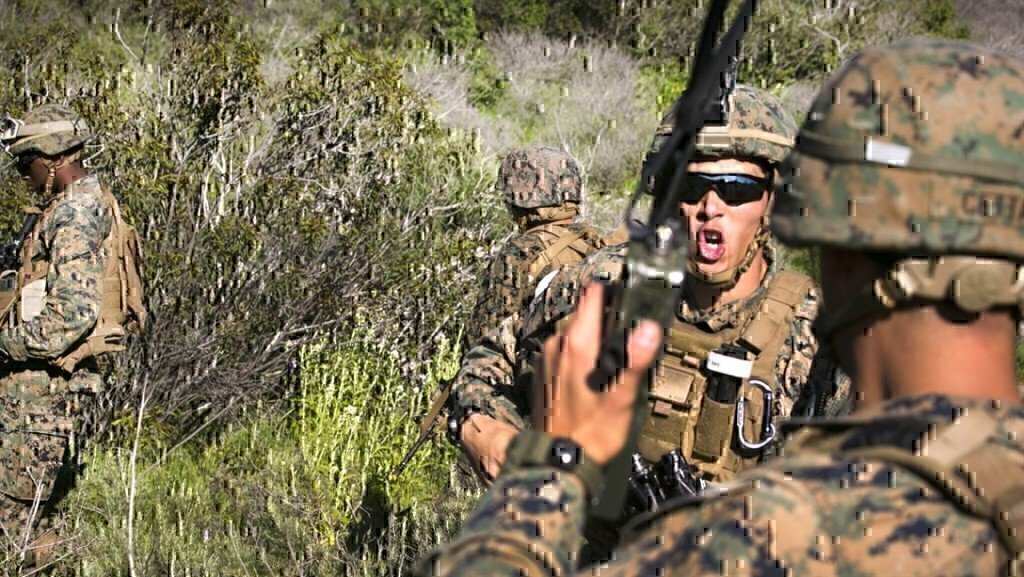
[
  {"x": 453, "y": 430},
  {"x": 565, "y": 454}
]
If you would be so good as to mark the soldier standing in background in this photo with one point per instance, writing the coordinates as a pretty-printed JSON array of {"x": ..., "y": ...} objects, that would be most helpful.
[
  {"x": 914, "y": 198},
  {"x": 543, "y": 191},
  {"x": 67, "y": 301},
  {"x": 738, "y": 301}
]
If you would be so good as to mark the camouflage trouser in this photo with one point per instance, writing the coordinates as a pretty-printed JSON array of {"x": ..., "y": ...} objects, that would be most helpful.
[{"x": 38, "y": 417}]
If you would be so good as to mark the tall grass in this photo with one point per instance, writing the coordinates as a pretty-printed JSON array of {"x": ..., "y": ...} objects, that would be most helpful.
[{"x": 306, "y": 491}]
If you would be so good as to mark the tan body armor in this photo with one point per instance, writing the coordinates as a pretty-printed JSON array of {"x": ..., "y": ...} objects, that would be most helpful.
[
  {"x": 121, "y": 308},
  {"x": 562, "y": 247},
  {"x": 682, "y": 415}
]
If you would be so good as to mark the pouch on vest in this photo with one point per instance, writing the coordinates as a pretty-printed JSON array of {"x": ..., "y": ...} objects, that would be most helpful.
[{"x": 727, "y": 368}]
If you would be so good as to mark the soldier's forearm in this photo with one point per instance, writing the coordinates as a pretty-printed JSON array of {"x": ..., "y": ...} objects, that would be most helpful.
[
  {"x": 486, "y": 379},
  {"x": 45, "y": 337},
  {"x": 529, "y": 523}
]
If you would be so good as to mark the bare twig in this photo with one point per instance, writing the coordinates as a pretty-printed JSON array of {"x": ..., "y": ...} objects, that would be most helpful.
[
  {"x": 132, "y": 480},
  {"x": 117, "y": 34}
]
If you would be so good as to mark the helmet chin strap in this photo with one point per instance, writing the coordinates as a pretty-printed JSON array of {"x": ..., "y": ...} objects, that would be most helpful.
[
  {"x": 973, "y": 284},
  {"x": 726, "y": 279},
  {"x": 52, "y": 166}
]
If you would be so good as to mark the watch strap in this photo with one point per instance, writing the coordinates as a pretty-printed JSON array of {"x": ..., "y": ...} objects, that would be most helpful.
[{"x": 532, "y": 448}]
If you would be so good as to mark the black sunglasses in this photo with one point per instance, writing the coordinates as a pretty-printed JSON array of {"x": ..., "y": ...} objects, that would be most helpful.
[
  {"x": 23, "y": 164},
  {"x": 733, "y": 189}
]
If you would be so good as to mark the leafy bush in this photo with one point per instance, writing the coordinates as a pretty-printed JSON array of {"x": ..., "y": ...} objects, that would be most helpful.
[
  {"x": 998, "y": 24},
  {"x": 587, "y": 98},
  {"x": 271, "y": 212}
]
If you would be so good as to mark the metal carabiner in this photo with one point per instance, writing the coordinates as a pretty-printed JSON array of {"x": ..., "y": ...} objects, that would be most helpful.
[{"x": 767, "y": 428}]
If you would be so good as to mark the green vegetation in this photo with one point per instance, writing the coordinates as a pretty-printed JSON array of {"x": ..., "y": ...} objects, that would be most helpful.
[
  {"x": 312, "y": 182},
  {"x": 298, "y": 492}
]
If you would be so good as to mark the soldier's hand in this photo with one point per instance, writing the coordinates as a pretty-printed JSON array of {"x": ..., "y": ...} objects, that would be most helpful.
[
  {"x": 597, "y": 421},
  {"x": 485, "y": 440}
]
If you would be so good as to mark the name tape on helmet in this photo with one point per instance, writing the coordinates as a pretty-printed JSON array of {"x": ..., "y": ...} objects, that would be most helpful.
[{"x": 739, "y": 368}]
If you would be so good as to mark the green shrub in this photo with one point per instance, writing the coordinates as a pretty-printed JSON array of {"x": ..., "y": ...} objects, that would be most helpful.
[{"x": 307, "y": 491}]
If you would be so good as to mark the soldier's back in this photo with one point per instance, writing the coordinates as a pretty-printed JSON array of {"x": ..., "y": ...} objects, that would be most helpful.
[
  {"x": 835, "y": 506},
  {"x": 518, "y": 267}
]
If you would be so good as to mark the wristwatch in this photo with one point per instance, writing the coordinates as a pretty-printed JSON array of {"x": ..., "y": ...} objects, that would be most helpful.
[
  {"x": 458, "y": 418},
  {"x": 532, "y": 448}
]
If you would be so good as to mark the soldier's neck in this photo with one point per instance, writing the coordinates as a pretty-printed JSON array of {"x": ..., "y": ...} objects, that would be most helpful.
[
  {"x": 709, "y": 297},
  {"x": 921, "y": 352},
  {"x": 67, "y": 175}
]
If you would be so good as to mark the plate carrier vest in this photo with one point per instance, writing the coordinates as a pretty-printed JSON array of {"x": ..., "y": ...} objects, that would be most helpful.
[
  {"x": 562, "y": 247},
  {"x": 683, "y": 416},
  {"x": 121, "y": 308}
]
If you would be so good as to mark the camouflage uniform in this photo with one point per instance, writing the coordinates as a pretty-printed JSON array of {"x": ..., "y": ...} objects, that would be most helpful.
[
  {"x": 496, "y": 376},
  {"x": 916, "y": 486},
  {"x": 805, "y": 514},
  {"x": 40, "y": 401},
  {"x": 540, "y": 185}
]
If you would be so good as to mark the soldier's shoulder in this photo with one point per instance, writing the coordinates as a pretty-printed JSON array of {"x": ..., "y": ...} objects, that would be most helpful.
[
  {"x": 557, "y": 295},
  {"x": 524, "y": 243},
  {"x": 584, "y": 227},
  {"x": 518, "y": 253},
  {"x": 84, "y": 199},
  {"x": 807, "y": 294},
  {"x": 603, "y": 265}
]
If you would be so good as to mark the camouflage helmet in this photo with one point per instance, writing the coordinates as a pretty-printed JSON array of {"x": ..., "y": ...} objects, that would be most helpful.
[
  {"x": 917, "y": 148},
  {"x": 539, "y": 177},
  {"x": 48, "y": 130},
  {"x": 759, "y": 126}
]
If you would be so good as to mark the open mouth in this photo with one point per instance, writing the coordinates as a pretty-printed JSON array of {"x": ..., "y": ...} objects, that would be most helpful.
[{"x": 710, "y": 245}]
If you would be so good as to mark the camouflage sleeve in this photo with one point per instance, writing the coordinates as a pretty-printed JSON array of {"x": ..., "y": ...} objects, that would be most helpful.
[
  {"x": 809, "y": 377},
  {"x": 531, "y": 519},
  {"x": 486, "y": 380},
  {"x": 504, "y": 290},
  {"x": 529, "y": 523},
  {"x": 767, "y": 526},
  {"x": 74, "y": 235}
]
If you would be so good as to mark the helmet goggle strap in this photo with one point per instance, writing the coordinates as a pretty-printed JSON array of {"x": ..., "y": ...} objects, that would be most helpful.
[
  {"x": 973, "y": 284},
  {"x": 713, "y": 139}
]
